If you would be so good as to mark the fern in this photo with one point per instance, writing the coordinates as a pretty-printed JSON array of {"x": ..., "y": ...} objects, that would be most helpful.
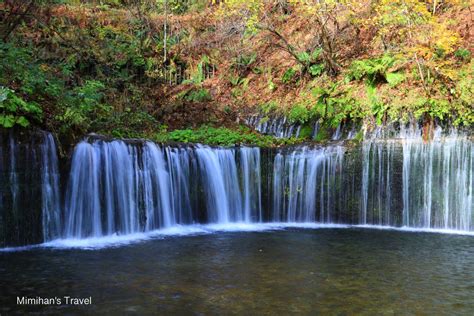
[{"x": 373, "y": 70}]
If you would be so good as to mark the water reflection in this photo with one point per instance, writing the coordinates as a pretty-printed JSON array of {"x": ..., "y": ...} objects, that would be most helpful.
[{"x": 332, "y": 271}]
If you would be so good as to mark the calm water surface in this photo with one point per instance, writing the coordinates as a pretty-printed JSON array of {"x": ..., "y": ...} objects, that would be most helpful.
[{"x": 327, "y": 271}]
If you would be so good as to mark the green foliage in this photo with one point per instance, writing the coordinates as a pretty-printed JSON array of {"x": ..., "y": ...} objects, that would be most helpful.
[
  {"x": 90, "y": 94},
  {"x": 331, "y": 103},
  {"x": 82, "y": 105},
  {"x": 235, "y": 80},
  {"x": 373, "y": 70},
  {"x": 438, "y": 108},
  {"x": 334, "y": 103},
  {"x": 242, "y": 86},
  {"x": 310, "y": 62},
  {"x": 309, "y": 58},
  {"x": 17, "y": 65},
  {"x": 463, "y": 54},
  {"x": 258, "y": 70},
  {"x": 74, "y": 89},
  {"x": 377, "y": 107},
  {"x": 288, "y": 75},
  {"x": 359, "y": 136},
  {"x": 433, "y": 107},
  {"x": 244, "y": 62},
  {"x": 177, "y": 6},
  {"x": 316, "y": 70},
  {"x": 16, "y": 111},
  {"x": 198, "y": 95},
  {"x": 464, "y": 93},
  {"x": 127, "y": 124},
  {"x": 198, "y": 76},
  {"x": 271, "y": 85},
  {"x": 299, "y": 113},
  {"x": 305, "y": 131},
  {"x": 322, "y": 135},
  {"x": 219, "y": 136},
  {"x": 269, "y": 107},
  {"x": 394, "y": 78},
  {"x": 303, "y": 57}
]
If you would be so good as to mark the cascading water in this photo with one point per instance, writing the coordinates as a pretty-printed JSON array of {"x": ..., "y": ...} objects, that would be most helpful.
[
  {"x": 304, "y": 184},
  {"x": 276, "y": 126},
  {"x": 29, "y": 192},
  {"x": 13, "y": 175},
  {"x": 438, "y": 181},
  {"x": 281, "y": 127},
  {"x": 125, "y": 187},
  {"x": 182, "y": 167},
  {"x": 337, "y": 133},
  {"x": 118, "y": 188},
  {"x": 252, "y": 194},
  {"x": 157, "y": 199},
  {"x": 436, "y": 177},
  {"x": 101, "y": 195},
  {"x": 377, "y": 176},
  {"x": 50, "y": 197},
  {"x": 219, "y": 173}
]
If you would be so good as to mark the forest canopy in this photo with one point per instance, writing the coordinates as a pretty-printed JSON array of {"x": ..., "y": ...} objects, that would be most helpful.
[{"x": 143, "y": 68}]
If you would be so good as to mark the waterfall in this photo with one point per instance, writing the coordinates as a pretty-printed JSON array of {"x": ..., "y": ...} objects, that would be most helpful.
[
  {"x": 337, "y": 133},
  {"x": 276, "y": 126},
  {"x": 304, "y": 187},
  {"x": 219, "y": 172},
  {"x": 125, "y": 187},
  {"x": 50, "y": 197},
  {"x": 252, "y": 195},
  {"x": 82, "y": 197},
  {"x": 181, "y": 163},
  {"x": 377, "y": 169},
  {"x": 30, "y": 200},
  {"x": 315, "y": 131},
  {"x": 278, "y": 188},
  {"x": 157, "y": 189},
  {"x": 13, "y": 175},
  {"x": 365, "y": 182},
  {"x": 436, "y": 181},
  {"x": 110, "y": 182},
  {"x": 115, "y": 188}
]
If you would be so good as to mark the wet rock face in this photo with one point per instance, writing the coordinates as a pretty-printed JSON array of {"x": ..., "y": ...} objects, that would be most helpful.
[{"x": 20, "y": 189}]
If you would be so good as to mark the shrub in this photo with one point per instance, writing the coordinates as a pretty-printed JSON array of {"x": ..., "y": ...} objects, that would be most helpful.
[
  {"x": 16, "y": 111},
  {"x": 463, "y": 54},
  {"x": 199, "y": 95},
  {"x": 299, "y": 113},
  {"x": 220, "y": 136},
  {"x": 316, "y": 69},
  {"x": 288, "y": 75},
  {"x": 305, "y": 131},
  {"x": 373, "y": 70}
]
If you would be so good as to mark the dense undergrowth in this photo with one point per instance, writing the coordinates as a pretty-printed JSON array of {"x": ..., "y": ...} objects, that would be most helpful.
[
  {"x": 192, "y": 71},
  {"x": 221, "y": 136},
  {"x": 206, "y": 134}
]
